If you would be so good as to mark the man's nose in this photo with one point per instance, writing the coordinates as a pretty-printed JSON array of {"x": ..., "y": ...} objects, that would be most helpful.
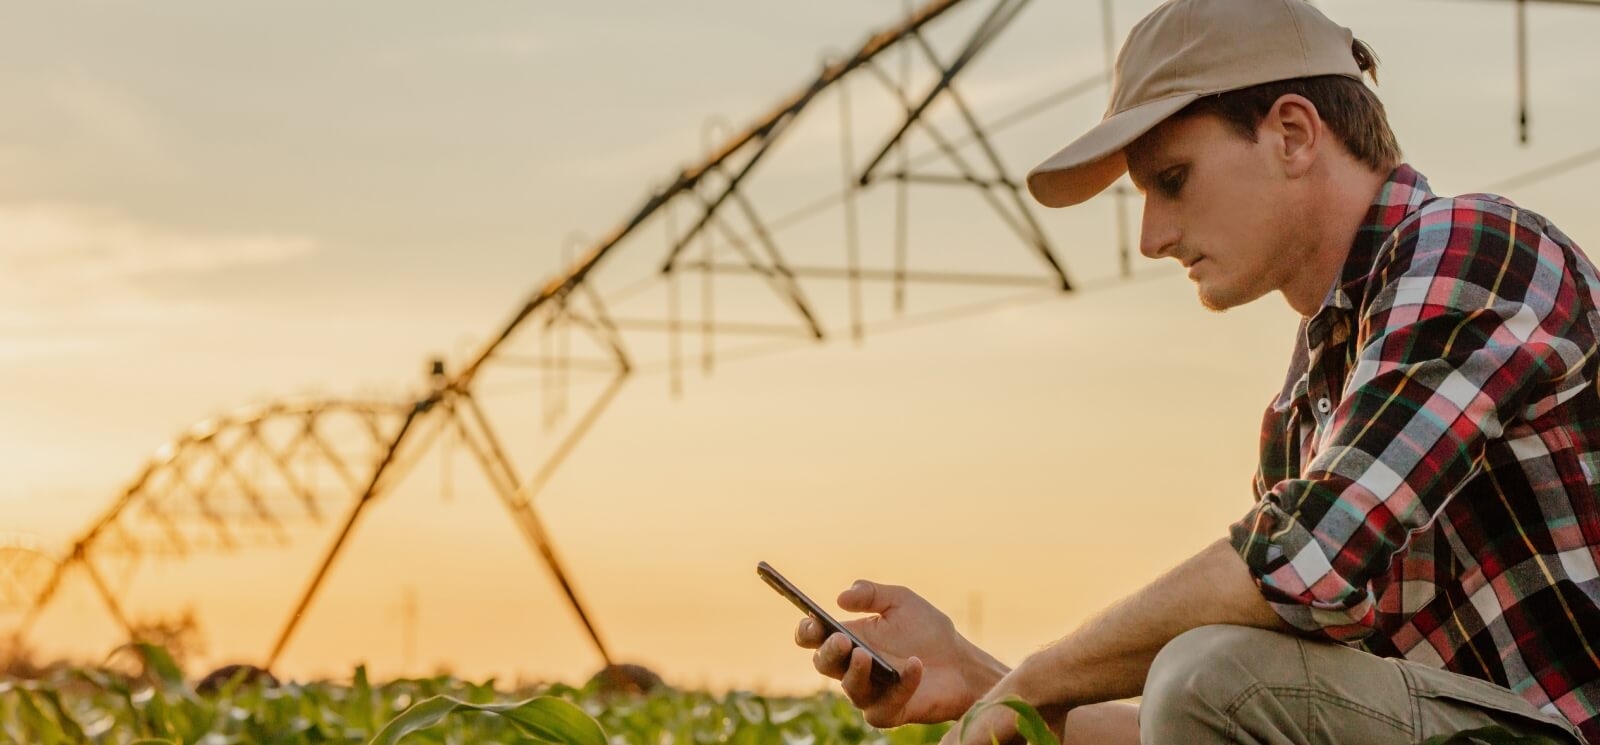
[{"x": 1158, "y": 232}]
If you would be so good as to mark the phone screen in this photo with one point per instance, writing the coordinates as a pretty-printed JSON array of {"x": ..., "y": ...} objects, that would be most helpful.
[{"x": 882, "y": 672}]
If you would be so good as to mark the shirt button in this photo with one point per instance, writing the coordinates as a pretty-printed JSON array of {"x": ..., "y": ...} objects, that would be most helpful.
[{"x": 1324, "y": 405}]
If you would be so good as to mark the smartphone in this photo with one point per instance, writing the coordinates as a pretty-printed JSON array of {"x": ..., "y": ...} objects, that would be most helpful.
[{"x": 883, "y": 673}]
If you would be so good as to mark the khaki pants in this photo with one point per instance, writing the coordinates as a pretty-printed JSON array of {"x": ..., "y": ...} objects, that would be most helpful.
[{"x": 1231, "y": 684}]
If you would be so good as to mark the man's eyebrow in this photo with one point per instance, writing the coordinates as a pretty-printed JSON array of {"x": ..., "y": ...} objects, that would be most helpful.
[
  {"x": 1138, "y": 183},
  {"x": 1157, "y": 162}
]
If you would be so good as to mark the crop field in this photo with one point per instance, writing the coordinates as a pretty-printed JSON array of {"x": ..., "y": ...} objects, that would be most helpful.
[
  {"x": 76, "y": 705},
  {"x": 159, "y": 707}
]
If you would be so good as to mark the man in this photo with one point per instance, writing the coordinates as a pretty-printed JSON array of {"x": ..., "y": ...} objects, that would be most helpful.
[{"x": 1422, "y": 556}]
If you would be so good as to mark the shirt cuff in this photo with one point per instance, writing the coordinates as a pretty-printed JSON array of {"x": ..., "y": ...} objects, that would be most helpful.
[{"x": 1297, "y": 578}]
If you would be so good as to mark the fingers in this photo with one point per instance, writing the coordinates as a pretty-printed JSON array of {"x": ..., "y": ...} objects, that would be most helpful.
[
  {"x": 965, "y": 732},
  {"x": 809, "y": 634},
  {"x": 857, "y": 680},
  {"x": 832, "y": 657},
  {"x": 890, "y": 708},
  {"x": 882, "y": 707},
  {"x": 995, "y": 724},
  {"x": 871, "y": 597}
]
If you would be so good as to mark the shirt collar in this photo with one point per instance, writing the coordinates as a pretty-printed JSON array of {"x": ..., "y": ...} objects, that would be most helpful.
[{"x": 1402, "y": 194}]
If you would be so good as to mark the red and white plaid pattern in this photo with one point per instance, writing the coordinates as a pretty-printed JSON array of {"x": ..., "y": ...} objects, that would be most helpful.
[{"x": 1427, "y": 485}]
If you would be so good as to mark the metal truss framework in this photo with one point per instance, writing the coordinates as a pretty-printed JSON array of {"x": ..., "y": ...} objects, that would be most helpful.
[
  {"x": 198, "y": 495},
  {"x": 194, "y": 498}
]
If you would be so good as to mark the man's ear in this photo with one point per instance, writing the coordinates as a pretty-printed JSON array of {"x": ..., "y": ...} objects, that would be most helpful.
[{"x": 1297, "y": 133}]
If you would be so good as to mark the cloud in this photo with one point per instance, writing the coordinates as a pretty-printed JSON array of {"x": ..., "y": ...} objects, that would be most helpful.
[
  {"x": 71, "y": 275},
  {"x": 116, "y": 120}
]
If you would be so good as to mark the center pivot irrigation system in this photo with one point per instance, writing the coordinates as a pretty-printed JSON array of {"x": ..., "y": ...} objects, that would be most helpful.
[{"x": 272, "y": 475}]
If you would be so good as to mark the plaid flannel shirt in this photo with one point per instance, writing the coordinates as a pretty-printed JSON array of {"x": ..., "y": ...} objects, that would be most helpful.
[{"x": 1427, "y": 485}]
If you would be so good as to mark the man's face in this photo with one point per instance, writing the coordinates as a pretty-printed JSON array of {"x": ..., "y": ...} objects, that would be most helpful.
[{"x": 1214, "y": 197}]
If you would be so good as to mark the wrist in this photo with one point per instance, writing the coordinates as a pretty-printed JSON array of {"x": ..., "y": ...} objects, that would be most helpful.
[
  {"x": 1050, "y": 677},
  {"x": 981, "y": 671}
]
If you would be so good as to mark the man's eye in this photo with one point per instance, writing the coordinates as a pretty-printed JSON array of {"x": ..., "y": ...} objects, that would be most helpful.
[{"x": 1170, "y": 182}]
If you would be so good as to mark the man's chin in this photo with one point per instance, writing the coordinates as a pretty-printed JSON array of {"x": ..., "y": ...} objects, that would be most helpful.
[
  {"x": 1213, "y": 301},
  {"x": 1219, "y": 298}
]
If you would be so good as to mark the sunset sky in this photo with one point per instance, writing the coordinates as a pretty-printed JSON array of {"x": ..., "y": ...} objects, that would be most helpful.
[{"x": 205, "y": 206}]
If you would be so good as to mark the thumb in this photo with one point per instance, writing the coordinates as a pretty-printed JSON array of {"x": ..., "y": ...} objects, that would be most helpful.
[{"x": 871, "y": 597}]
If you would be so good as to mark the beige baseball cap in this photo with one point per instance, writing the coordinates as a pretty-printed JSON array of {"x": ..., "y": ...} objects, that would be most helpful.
[{"x": 1182, "y": 51}]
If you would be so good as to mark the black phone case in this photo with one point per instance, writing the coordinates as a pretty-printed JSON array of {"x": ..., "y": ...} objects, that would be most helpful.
[{"x": 882, "y": 672}]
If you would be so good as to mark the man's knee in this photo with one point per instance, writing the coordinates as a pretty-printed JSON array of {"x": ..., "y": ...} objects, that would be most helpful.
[
  {"x": 1209, "y": 658},
  {"x": 1197, "y": 675},
  {"x": 1099, "y": 724}
]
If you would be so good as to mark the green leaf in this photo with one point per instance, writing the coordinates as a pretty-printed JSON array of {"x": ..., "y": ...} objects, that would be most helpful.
[
  {"x": 69, "y": 725},
  {"x": 39, "y": 723},
  {"x": 359, "y": 711},
  {"x": 160, "y": 664},
  {"x": 546, "y": 717},
  {"x": 1029, "y": 723}
]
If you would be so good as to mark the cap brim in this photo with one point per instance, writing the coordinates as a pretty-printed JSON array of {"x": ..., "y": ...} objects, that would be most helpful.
[{"x": 1094, "y": 161}]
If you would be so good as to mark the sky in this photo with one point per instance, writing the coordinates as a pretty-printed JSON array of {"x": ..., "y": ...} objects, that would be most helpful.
[{"x": 206, "y": 206}]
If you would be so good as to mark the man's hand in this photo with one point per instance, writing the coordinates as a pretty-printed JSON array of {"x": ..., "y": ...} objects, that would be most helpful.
[
  {"x": 1108, "y": 658},
  {"x": 995, "y": 723},
  {"x": 941, "y": 673}
]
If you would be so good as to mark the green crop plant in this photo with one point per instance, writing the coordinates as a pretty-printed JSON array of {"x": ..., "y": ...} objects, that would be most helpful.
[{"x": 96, "y": 705}]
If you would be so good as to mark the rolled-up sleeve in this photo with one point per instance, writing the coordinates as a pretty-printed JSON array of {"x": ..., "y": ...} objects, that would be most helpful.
[{"x": 1469, "y": 328}]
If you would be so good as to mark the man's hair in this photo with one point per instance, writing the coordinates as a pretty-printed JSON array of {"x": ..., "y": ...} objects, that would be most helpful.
[{"x": 1351, "y": 110}]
